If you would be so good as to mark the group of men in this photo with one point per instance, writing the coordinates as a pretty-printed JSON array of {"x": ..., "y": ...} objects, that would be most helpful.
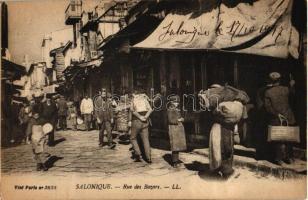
[
  {"x": 101, "y": 108},
  {"x": 274, "y": 96}
]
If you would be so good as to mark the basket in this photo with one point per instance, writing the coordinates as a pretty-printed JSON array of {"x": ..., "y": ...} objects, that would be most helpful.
[
  {"x": 47, "y": 128},
  {"x": 79, "y": 121},
  {"x": 283, "y": 133}
]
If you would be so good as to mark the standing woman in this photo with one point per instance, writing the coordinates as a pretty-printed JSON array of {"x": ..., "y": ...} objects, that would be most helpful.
[{"x": 176, "y": 130}]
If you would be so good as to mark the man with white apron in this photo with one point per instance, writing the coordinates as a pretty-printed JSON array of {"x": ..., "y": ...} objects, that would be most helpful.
[{"x": 140, "y": 112}]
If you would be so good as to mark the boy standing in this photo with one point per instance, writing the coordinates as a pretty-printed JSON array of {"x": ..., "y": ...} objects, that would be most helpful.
[{"x": 38, "y": 140}]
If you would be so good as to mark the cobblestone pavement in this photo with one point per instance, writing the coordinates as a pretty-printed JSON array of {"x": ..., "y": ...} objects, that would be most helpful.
[{"x": 78, "y": 153}]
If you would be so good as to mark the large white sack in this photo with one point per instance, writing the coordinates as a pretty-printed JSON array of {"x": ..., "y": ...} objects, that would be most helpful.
[{"x": 230, "y": 111}]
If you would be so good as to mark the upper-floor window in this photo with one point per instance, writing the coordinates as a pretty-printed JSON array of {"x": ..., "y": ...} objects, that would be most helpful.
[{"x": 73, "y": 7}]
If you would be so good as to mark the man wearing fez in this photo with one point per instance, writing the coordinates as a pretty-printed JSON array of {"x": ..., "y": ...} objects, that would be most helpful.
[
  {"x": 104, "y": 117},
  {"x": 276, "y": 103}
]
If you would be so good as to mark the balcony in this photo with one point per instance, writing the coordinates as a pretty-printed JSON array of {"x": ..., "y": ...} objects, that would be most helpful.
[{"x": 73, "y": 12}]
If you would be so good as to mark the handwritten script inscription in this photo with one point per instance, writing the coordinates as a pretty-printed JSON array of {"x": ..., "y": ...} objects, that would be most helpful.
[{"x": 232, "y": 30}]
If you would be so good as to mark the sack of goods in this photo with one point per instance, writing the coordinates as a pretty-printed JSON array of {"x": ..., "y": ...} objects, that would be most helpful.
[{"x": 230, "y": 111}]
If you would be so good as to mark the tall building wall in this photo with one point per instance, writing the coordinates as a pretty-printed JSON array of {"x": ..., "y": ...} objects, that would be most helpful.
[{"x": 4, "y": 28}]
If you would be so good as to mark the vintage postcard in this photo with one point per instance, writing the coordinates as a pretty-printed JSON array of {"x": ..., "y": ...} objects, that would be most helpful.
[{"x": 153, "y": 99}]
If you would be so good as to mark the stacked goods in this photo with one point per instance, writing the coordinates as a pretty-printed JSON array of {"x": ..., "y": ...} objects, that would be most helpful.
[
  {"x": 122, "y": 111},
  {"x": 122, "y": 121},
  {"x": 212, "y": 97},
  {"x": 226, "y": 101}
]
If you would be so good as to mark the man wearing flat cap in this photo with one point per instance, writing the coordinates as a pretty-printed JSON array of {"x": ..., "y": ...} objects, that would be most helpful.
[{"x": 276, "y": 103}]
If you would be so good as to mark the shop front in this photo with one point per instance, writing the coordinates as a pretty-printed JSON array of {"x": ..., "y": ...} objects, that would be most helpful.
[{"x": 192, "y": 52}]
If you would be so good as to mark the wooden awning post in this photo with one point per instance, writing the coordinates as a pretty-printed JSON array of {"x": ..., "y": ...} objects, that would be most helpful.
[
  {"x": 152, "y": 77},
  {"x": 204, "y": 72},
  {"x": 192, "y": 61},
  {"x": 163, "y": 70},
  {"x": 235, "y": 72}
]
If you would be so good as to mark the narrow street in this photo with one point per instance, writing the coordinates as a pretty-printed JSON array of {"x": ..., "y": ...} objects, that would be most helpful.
[
  {"x": 223, "y": 81},
  {"x": 80, "y": 169},
  {"x": 78, "y": 153}
]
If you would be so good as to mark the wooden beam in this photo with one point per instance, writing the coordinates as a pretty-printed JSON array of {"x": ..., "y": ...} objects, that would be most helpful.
[
  {"x": 235, "y": 72},
  {"x": 108, "y": 21},
  {"x": 204, "y": 72},
  {"x": 193, "y": 72}
]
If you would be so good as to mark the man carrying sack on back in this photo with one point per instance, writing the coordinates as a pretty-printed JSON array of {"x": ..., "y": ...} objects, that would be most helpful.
[{"x": 276, "y": 103}]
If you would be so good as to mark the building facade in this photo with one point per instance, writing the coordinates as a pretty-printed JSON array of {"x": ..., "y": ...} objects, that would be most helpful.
[{"x": 129, "y": 44}]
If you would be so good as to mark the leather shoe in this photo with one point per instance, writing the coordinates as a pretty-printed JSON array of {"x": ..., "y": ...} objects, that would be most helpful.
[
  {"x": 44, "y": 168},
  {"x": 137, "y": 158},
  {"x": 112, "y": 146},
  {"x": 38, "y": 166}
]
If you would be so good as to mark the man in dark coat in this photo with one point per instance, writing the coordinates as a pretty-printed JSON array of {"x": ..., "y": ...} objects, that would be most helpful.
[
  {"x": 62, "y": 112},
  {"x": 260, "y": 126},
  {"x": 37, "y": 105},
  {"x": 49, "y": 114},
  {"x": 104, "y": 116},
  {"x": 276, "y": 103}
]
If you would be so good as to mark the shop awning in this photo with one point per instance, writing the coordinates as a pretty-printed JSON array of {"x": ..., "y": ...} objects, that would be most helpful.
[
  {"x": 11, "y": 70},
  {"x": 260, "y": 27},
  {"x": 79, "y": 69},
  {"x": 60, "y": 49},
  {"x": 92, "y": 63}
]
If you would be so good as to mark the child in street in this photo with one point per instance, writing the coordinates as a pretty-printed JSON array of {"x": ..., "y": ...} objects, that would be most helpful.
[
  {"x": 176, "y": 130},
  {"x": 38, "y": 132},
  {"x": 72, "y": 108}
]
